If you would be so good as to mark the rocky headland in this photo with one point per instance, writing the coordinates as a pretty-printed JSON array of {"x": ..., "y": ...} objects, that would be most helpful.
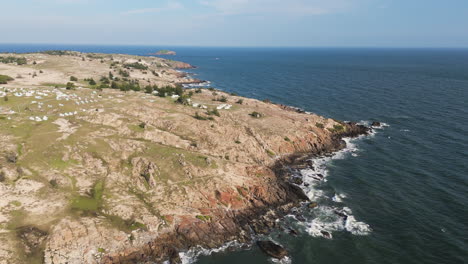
[{"x": 129, "y": 168}]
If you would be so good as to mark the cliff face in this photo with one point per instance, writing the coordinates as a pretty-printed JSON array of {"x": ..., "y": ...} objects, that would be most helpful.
[
  {"x": 118, "y": 177},
  {"x": 263, "y": 202}
]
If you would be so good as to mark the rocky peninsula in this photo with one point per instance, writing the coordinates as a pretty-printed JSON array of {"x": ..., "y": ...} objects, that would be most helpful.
[{"x": 106, "y": 159}]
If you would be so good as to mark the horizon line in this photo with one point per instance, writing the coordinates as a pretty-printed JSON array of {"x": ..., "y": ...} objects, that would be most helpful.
[{"x": 240, "y": 46}]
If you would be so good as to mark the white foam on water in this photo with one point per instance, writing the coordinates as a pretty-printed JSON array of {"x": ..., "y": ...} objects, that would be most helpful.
[
  {"x": 285, "y": 260},
  {"x": 329, "y": 219},
  {"x": 338, "y": 198},
  {"x": 193, "y": 254}
]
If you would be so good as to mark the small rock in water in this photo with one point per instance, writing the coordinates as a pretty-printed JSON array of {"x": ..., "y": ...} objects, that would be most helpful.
[
  {"x": 326, "y": 234},
  {"x": 292, "y": 232},
  {"x": 272, "y": 249},
  {"x": 376, "y": 124}
]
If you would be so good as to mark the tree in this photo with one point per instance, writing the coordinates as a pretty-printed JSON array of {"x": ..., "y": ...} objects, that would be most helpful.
[
  {"x": 70, "y": 86},
  {"x": 149, "y": 89},
  {"x": 114, "y": 85}
]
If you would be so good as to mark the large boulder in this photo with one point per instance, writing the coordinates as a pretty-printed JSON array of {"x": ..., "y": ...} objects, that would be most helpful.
[{"x": 272, "y": 249}]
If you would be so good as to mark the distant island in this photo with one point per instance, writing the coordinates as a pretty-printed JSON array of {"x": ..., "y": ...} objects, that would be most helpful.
[{"x": 165, "y": 52}]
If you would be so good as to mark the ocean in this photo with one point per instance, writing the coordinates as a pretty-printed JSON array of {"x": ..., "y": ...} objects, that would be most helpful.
[{"x": 404, "y": 188}]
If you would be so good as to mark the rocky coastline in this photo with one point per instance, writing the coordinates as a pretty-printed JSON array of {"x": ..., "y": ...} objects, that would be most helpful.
[
  {"x": 142, "y": 170},
  {"x": 268, "y": 202}
]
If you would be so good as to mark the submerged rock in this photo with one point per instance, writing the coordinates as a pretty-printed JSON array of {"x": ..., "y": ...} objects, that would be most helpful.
[
  {"x": 272, "y": 249},
  {"x": 376, "y": 124}
]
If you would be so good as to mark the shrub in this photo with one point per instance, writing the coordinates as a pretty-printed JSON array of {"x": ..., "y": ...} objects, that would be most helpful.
[
  {"x": 70, "y": 86},
  {"x": 214, "y": 112},
  {"x": 199, "y": 117},
  {"x": 4, "y": 79},
  {"x": 240, "y": 101},
  {"x": 136, "y": 65},
  {"x": 199, "y": 90},
  {"x": 256, "y": 114},
  {"x": 319, "y": 125},
  {"x": 287, "y": 139},
  {"x": 2, "y": 176},
  {"x": 124, "y": 73},
  {"x": 5, "y": 98},
  {"x": 184, "y": 100},
  {"x": 142, "y": 125},
  {"x": 337, "y": 128},
  {"x": 149, "y": 89},
  {"x": 204, "y": 218},
  {"x": 237, "y": 142},
  {"x": 73, "y": 79},
  {"x": 92, "y": 81},
  {"x": 271, "y": 153},
  {"x": 53, "y": 183},
  {"x": 11, "y": 59}
]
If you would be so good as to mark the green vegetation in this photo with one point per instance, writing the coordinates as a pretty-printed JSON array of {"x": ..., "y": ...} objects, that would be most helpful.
[
  {"x": 11, "y": 59},
  {"x": 184, "y": 100},
  {"x": 287, "y": 139},
  {"x": 319, "y": 125},
  {"x": 70, "y": 86},
  {"x": 256, "y": 114},
  {"x": 136, "y": 65},
  {"x": 199, "y": 117},
  {"x": 4, "y": 79},
  {"x": 337, "y": 129},
  {"x": 214, "y": 112},
  {"x": 240, "y": 101},
  {"x": 92, "y": 203},
  {"x": 271, "y": 153},
  {"x": 94, "y": 56},
  {"x": 15, "y": 203},
  {"x": 129, "y": 85},
  {"x": 221, "y": 99},
  {"x": 73, "y": 79},
  {"x": 204, "y": 218},
  {"x": 57, "y": 52},
  {"x": 124, "y": 73}
]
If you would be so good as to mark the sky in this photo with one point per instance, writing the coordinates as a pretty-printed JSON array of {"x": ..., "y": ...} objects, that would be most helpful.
[{"x": 303, "y": 23}]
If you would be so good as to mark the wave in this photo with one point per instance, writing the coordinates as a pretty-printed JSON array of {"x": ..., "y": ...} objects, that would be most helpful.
[
  {"x": 329, "y": 217},
  {"x": 197, "y": 85},
  {"x": 322, "y": 221},
  {"x": 191, "y": 256}
]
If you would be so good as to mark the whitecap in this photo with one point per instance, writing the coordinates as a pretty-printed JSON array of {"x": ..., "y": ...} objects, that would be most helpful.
[{"x": 191, "y": 256}]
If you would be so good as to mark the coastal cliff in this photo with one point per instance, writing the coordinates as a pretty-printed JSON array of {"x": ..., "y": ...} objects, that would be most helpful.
[{"x": 117, "y": 175}]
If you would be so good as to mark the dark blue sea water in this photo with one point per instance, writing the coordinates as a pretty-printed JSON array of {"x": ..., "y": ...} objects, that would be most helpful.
[{"x": 408, "y": 182}]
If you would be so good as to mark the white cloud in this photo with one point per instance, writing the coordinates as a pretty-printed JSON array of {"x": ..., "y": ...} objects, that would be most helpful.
[
  {"x": 281, "y": 7},
  {"x": 172, "y": 5}
]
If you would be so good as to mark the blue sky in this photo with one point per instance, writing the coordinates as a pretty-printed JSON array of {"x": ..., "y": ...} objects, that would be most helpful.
[{"x": 325, "y": 23}]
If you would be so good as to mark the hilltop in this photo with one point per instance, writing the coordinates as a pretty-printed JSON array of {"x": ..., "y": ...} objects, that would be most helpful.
[{"x": 106, "y": 159}]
